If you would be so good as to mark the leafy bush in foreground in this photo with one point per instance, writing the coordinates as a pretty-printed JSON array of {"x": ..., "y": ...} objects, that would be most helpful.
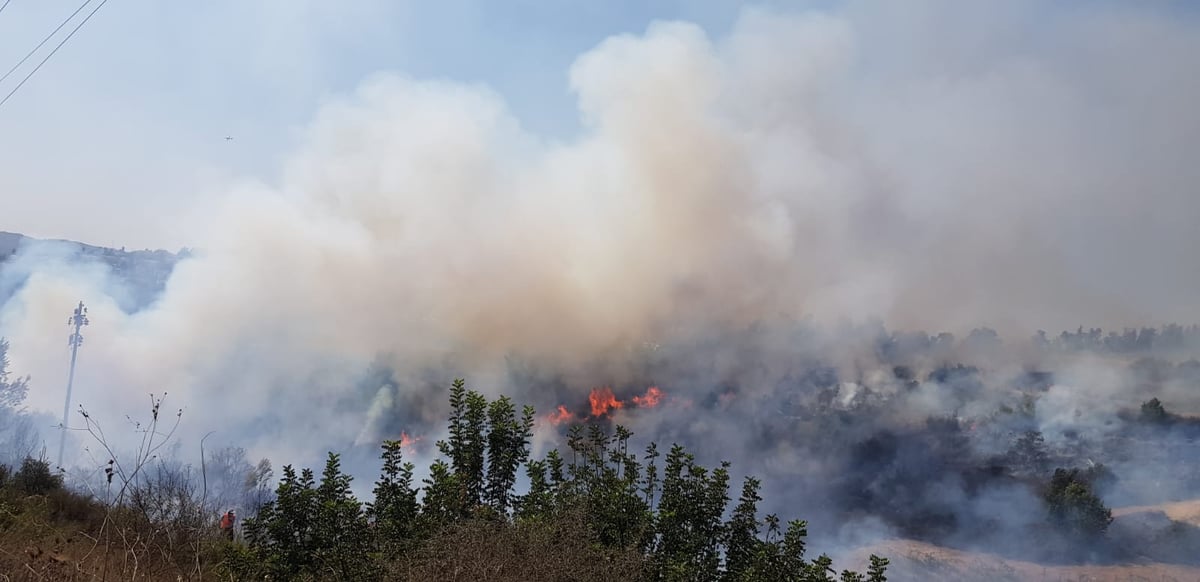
[{"x": 605, "y": 514}]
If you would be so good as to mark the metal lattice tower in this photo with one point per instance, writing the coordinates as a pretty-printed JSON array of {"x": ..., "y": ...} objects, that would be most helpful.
[{"x": 77, "y": 320}]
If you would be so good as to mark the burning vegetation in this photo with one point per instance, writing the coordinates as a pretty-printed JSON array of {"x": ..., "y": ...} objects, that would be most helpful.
[{"x": 1017, "y": 448}]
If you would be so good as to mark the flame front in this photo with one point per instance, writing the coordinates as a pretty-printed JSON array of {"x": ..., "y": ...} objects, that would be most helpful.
[
  {"x": 651, "y": 399},
  {"x": 603, "y": 400},
  {"x": 407, "y": 441},
  {"x": 560, "y": 416}
]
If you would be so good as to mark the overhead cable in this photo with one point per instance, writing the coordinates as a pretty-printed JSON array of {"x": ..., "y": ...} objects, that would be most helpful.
[{"x": 59, "y": 46}]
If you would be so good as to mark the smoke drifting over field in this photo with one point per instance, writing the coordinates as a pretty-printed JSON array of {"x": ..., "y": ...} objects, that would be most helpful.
[{"x": 937, "y": 166}]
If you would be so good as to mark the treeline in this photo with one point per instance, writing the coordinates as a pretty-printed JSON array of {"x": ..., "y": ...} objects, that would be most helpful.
[
  {"x": 597, "y": 512},
  {"x": 898, "y": 345},
  {"x": 1169, "y": 337}
]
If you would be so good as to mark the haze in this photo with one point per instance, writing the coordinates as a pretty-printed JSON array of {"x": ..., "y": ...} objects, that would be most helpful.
[{"x": 412, "y": 185}]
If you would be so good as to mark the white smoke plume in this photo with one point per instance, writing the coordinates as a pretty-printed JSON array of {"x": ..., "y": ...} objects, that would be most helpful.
[{"x": 931, "y": 164}]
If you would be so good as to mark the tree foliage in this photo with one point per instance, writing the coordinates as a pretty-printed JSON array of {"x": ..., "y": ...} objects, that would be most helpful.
[
  {"x": 35, "y": 477},
  {"x": 606, "y": 503},
  {"x": 1153, "y": 412},
  {"x": 1074, "y": 506},
  {"x": 13, "y": 389},
  {"x": 18, "y": 434}
]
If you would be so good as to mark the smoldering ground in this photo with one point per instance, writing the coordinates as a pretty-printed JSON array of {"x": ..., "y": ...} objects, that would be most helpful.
[{"x": 939, "y": 166}]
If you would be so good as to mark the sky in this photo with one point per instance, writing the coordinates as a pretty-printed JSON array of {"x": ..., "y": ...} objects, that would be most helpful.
[{"x": 119, "y": 139}]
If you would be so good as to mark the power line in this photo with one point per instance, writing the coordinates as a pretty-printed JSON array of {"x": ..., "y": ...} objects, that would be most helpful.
[
  {"x": 44, "y": 40},
  {"x": 5, "y": 5},
  {"x": 64, "y": 41}
]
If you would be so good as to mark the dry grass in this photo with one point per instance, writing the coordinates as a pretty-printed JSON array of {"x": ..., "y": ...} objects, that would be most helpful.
[
  {"x": 920, "y": 561},
  {"x": 64, "y": 536},
  {"x": 1181, "y": 511}
]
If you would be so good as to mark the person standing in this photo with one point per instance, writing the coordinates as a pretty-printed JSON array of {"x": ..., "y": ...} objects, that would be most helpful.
[{"x": 227, "y": 522}]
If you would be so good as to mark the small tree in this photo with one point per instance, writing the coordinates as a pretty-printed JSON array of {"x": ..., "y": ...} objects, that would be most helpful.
[
  {"x": 743, "y": 528},
  {"x": 1153, "y": 412},
  {"x": 35, "y": 478},
  {"x": 1074, "y": 507},
  {"x": 507, "y": 448},
  {"x": 12, "y": 389},
  {"x": 340, "y": 534},
  {"x": 282, "y": 536},
  {"x": 394, "y": 510},
  {"x": 18, "y": 435},
  {"x": 467, "y": 446},
  {"x": 1028, "y": 453}
]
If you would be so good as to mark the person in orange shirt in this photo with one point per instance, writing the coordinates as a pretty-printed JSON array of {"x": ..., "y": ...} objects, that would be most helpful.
[{"x": 227, "y": 521}]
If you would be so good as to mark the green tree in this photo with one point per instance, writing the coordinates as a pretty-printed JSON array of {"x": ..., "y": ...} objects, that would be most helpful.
[
  {"x": 1154, "y": 413},
  {"x": 341, "y": 533},
  {"x": 618, "y": 515},
  {"x": 1074, "y": 507},
  {"x": 1028, "y": 453},
  {"x": 688, "y": 524},
  {"x": 538, "y": 503},
  {"x": 395, "y": 509},
  {"x": 467, "y": 445},
  {"x": 877, "y": 571},
  {"x": 282, "y": 538},
  {"x": 18, "y": 434},
  {"x": 442, "y": 502},
  {"x": 35, "y": 478},
  {"x": 12, "y": 389},
  {"x": 508, "y": 447},
  {"x": 743, "y": 529},
  {"x": 781, "y": 557},
  {"x": 309, "y": 530}
]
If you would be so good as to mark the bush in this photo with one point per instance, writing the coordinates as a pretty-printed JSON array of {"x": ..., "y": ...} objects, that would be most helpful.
[
  {"x": 1074, "y": 507},
  {"x": 559, "y": 548},
  {"x": 35, "y": 478},
  {"x": 1154, "y": 413}
]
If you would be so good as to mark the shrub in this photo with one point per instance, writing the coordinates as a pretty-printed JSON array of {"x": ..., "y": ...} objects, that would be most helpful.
[
  {"x": 1074, "y": 507},
  {"x": 35, "y": 478},
  {"x": 1154, "y": 413}
]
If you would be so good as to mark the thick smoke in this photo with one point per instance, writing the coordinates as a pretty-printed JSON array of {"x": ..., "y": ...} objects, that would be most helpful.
[{"x": 936, "y": 166}]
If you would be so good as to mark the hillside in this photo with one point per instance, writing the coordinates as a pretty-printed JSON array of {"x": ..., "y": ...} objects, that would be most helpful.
[
  {"x": 1167, "y": 530},
  {"x": 143, "y": 272}
]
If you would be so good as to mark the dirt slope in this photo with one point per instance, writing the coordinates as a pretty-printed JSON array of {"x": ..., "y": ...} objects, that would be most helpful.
[{"x": 1160, "y": 524}]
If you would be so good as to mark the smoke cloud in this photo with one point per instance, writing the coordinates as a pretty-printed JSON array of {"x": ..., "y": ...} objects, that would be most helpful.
[{"x": 935, "y": 166}]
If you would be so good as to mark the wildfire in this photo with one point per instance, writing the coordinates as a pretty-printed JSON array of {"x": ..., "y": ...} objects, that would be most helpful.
[
  {"x": 560, "y": 416},
  {"x": 603, "y": 400},
  {"x": 651, "y": 399},
  {"x": 407, "y": 441}
]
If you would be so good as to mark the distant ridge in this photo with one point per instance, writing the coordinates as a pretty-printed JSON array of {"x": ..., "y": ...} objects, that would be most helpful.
[{"x": 145, "y": 272}]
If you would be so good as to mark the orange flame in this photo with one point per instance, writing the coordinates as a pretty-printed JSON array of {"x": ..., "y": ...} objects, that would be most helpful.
[
  {"x": 651, "y": 399},
  {"x": 560, "y": 416},
  {"x": 408, "y": 441},
  {"x": 602, "y": 401}
]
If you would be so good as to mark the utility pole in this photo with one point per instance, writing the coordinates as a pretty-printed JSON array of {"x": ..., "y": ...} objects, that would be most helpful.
[{"x": 77, "y": 320}]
